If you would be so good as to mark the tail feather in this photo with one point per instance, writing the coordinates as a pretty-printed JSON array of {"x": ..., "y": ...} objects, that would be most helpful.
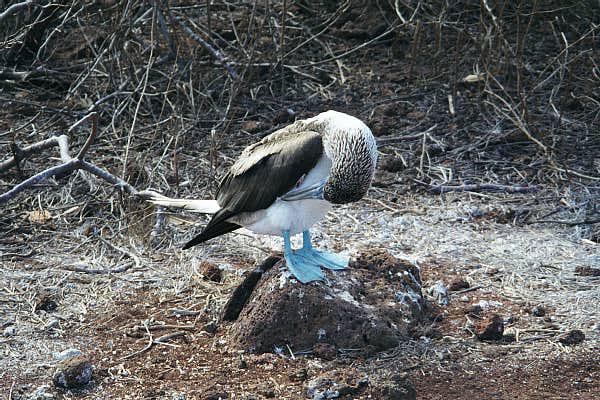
[
  {"x": 211, "y": 232},
  {"x": 201, "y": 206}
]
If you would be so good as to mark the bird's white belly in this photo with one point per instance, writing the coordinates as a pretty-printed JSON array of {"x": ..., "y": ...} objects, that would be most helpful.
[{"x": 295, "y": 216}]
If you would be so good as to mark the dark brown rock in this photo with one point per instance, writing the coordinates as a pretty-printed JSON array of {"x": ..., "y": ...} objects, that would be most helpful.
[
  {"x": 392, "y": 164},
  {"x": 370, "y": 305},
  {"x": 210, "y": 327},
  {"x": 538, "y": 311},
  {"x": 325, "y": 351},
  {"x": 216, "y": 396},
  {"x": 73, "y": 372},
  {"x": 210, "y": 271},
  {"x": 572, "y": 337},
  {"x": 300, "y": 375},
  {"x": 251, "y": 126},
  {"x": 397, "y": 388},
  {"x": 282, "y": 116},
  {"x": 46, "y": 303},
  {"x": 492, "y": 328},
  {"x": 474, "y": 311},
  {"x": 587, "y": 271},
  {"x": 458, "y": 284}
]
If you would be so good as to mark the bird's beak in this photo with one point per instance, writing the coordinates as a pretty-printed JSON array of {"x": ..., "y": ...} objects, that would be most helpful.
[{"x": 314, "y": 191}]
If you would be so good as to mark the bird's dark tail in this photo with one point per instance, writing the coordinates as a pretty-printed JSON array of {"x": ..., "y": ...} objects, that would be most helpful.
[{"x": 212, "y": 231}]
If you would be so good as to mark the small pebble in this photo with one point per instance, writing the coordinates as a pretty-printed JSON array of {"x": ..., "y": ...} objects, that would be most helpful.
[
  {"x": 458, "y": 284},
  {"x": 210, "y": 272},
  {"x": 53, "y": 323},
  {"x": 325, "y": 351},
  {"x": 63, "y": 355},
  {"x": 9, "y": 331},
  {"x": 475, "y": 310},
  {"x": 440, "y": 293},
  {"x": 41, "y": 393},
  {"x": 587, "y": 271},
  {"x": 210, "y": 327},
  {"x": 73, "y": 372},
  {"x": 300, "y": 375},
  {"x": 267, "y": 392},
  {"x": 321, "y": 388},
  {"x": 216, "y": 396},
  {"x": 538, "y": 311},
  {"x": 571, "y": 337},
  {"x": 465, "y": 299},
  {"x": 46, "y": 304},
  {"x": 283, "y": 116},
  {"x": 491, "y": 329}
]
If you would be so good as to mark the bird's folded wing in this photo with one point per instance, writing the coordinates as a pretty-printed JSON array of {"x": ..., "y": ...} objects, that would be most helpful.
[{"x": 264, "y": 172}]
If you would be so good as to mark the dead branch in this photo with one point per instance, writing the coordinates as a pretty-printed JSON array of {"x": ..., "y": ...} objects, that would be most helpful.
[
  {"x": 21, "y": 153},
  {"x": 207, "y": 46},
  {"x": 484, "y": 187},
  {"x": 568, "y": 223},
  {"x": 160, "y": 327},
  {"x": 152, "y": 342},
  {"x": 69, "y": 165},
  {"x": 15, "y": 8},
  {"x": 81, "y": 267},
  {"x": 404, "y": 138}
]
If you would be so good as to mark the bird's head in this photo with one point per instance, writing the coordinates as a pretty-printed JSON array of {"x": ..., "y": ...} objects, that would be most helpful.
[{"x": 351, "y": 147}]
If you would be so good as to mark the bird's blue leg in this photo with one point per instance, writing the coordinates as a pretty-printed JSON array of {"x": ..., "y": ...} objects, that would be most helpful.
[
  {"x": 324, "y": 259},
  {"x": 303, "y": 269}
]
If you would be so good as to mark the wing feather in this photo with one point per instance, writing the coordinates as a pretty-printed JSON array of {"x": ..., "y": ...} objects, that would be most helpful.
[{"x": 264, "y": 172}]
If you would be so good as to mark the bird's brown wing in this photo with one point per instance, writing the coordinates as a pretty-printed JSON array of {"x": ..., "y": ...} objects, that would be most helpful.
[{"x": 265, "y": 171}]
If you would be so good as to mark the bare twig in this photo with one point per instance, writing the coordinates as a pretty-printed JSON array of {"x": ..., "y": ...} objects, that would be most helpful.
[
  {"x": 15, "y": 8},
  {"x": 32, "y": 149},
  {"x": 483, "y": 188},
  {"x": 404, "y": 138},
  {"x": 568, "y": 223},
  {"x": 152, "y": 342},
  {"x": 90, "y": 138},
  {"x": 69, "y": 165},
  {"x": 207, "y": 46},
  {"x": 81, "y": 267}
]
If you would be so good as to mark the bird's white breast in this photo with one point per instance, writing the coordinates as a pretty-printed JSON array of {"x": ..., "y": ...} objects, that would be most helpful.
[{"x": 295, "y": 216}]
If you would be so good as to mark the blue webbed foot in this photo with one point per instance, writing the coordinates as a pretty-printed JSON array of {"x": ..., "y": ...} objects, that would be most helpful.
[
  {"x": 303, "y": 269},
  {"x": 326, "y": 260}
]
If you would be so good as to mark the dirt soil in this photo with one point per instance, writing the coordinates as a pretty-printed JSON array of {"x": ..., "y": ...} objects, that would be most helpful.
[{"x": 82, "y": 265}]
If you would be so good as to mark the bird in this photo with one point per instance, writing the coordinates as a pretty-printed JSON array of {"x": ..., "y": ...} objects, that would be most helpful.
[{"x": 288, "y": 181}]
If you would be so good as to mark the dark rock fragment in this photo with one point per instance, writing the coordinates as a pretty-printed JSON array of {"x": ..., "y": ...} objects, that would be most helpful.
[
  {"x": 210, "y": 271},
  {"x": 538, "y": 311},
  {"x": 397, "y": 388},
  {"x": 325, "y": 351},
  {"x": 210, "y": 327},
  {"x": 572, "y": 337},
  {"x": 458, "y": 284},
  {"x": 73, "y": 372},
  {"x": 492, "y": 328},
  {"x": 587, "y": 271}
]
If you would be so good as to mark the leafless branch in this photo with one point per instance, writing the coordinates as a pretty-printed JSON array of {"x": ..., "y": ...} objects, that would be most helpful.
[
  {"x": 69, "y": 165},
  {"x": 207, "y": 46},
  {"x": 489, "y": 187},
  {"x": 15, "y": 8}
]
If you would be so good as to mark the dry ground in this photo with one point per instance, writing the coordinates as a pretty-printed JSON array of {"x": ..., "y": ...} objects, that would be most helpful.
[{"x": 515, "y": 268}]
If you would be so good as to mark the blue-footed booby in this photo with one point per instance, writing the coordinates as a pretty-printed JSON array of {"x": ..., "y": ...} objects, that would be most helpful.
[{"x": 287, "y": 182}]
